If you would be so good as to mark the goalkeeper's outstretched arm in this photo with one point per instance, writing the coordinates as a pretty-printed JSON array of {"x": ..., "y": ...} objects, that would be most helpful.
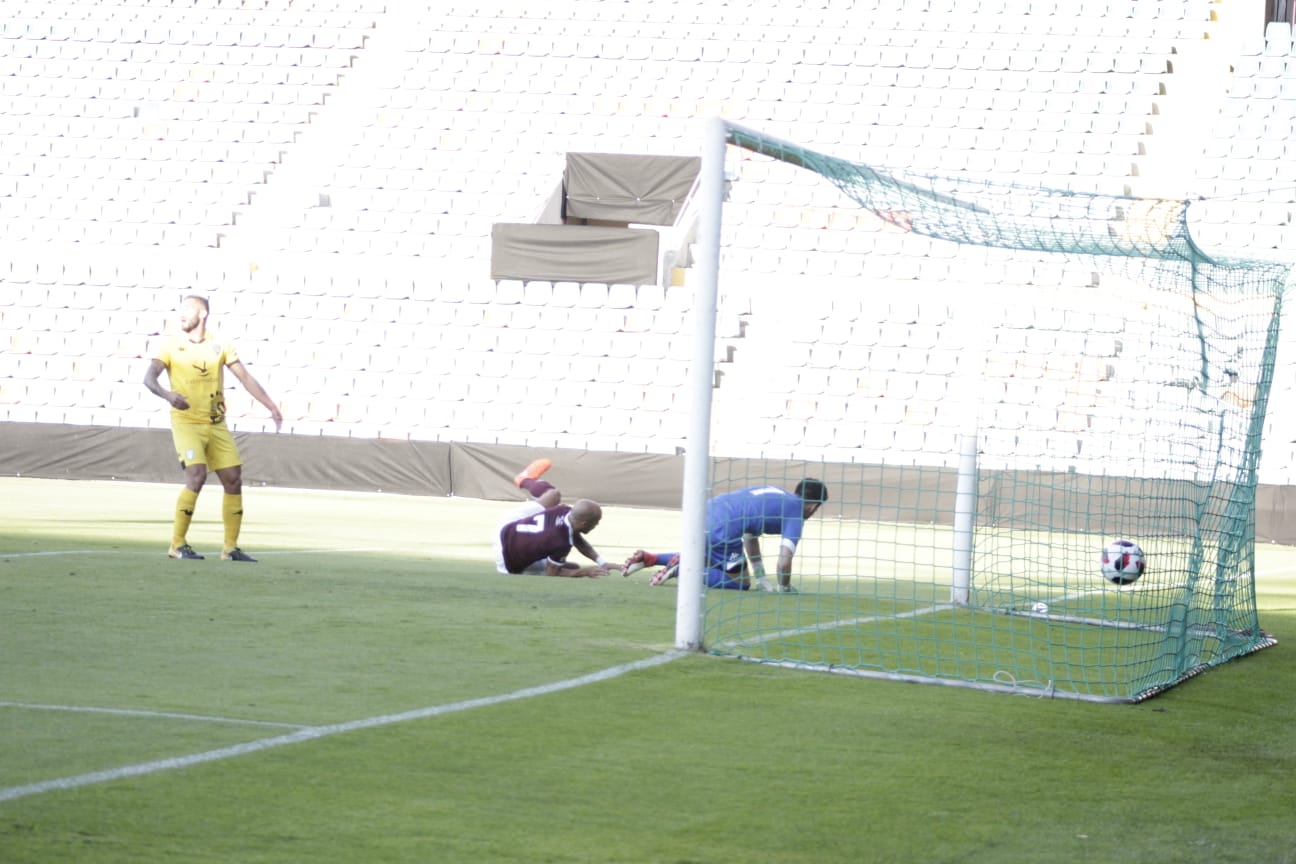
[
  {"x": 785, "y": 566},
  {"x": 751, "y": 545}
]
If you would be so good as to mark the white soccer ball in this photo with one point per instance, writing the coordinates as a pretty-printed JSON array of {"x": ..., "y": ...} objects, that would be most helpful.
[
  {"x": 1040, "y": 608},
  {"x": 1123, "y": 562}
]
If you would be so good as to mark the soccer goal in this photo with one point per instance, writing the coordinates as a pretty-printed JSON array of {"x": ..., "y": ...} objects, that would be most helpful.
[{"x": 995, "y": 382}]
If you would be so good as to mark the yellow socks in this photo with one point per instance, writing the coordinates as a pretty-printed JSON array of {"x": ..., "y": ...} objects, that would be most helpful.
[
  {"x": 232, "y": 514},
  {"x": 183, "y": 516}
]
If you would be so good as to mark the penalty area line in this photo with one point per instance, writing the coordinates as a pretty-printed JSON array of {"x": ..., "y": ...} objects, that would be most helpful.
[
  {"x": 160, "y": 715},
  {"x": 312, "y": 733},
  {"x": 57, "y": 552}
]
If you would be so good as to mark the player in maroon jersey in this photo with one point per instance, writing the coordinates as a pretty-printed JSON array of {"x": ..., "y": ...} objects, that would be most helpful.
[{"x": 540, "y": 537}]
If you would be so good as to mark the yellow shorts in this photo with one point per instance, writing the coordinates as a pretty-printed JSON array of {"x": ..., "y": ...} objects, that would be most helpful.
[{"x": 210, "y": 444}]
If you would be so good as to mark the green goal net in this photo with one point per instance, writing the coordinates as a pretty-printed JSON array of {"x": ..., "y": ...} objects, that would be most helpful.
[{"x": 997, "y": 383}]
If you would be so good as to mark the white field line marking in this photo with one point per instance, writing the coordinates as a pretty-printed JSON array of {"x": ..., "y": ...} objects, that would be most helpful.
[
  {"x": 839, "y": 623},
  {"x": 311, "y": 733},
  {"x": 1075, "y": 595},
  {"x": 61, "y": 552},
  {"x": 316, "y": 551},
  {"x": 161, "y": 715},
  {"x": 215, "y": 555}
]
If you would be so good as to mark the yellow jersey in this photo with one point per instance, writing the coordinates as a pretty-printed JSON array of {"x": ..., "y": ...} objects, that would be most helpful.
[{"x": 197, "y": 372}]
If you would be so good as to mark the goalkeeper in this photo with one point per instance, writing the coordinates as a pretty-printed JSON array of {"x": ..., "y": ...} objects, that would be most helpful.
[{"x": 735, "y": 522}]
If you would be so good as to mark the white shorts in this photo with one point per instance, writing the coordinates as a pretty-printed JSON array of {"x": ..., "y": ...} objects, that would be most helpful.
[{"x": 528, "y": 509}]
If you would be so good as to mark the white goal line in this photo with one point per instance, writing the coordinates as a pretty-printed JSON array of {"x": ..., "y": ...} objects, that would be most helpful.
[{"x": 837, "y": 624}]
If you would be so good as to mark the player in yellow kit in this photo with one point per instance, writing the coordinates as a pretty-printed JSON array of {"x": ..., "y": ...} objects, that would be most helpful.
[{"x": 195, "y": 361}]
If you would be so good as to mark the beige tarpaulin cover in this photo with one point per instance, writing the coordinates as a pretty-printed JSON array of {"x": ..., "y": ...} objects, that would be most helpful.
[
  {"x": 606, "y": 188},
  {"x": 617, "y": 187},
  {"x": 574, "y": 253}
]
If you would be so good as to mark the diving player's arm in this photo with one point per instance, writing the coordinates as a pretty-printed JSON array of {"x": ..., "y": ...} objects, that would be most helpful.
[
  {"x": 258, "y": 392},
  {"x": 583, "y": 546},
  {"x": 574, "y": 571}
]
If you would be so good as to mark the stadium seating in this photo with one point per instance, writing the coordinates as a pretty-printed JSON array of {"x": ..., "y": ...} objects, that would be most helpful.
[{"x": 329, "y": 173}]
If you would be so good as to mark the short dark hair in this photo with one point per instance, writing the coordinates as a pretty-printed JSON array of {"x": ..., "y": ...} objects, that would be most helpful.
[{"x": 811, "y": 489}]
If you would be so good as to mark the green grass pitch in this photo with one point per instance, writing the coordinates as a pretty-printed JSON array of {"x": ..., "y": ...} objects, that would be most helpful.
[{"x": 373, "y": 691}]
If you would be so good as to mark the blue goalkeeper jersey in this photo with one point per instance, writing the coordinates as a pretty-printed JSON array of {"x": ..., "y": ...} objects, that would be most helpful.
[{"x": 756, "y": 510}]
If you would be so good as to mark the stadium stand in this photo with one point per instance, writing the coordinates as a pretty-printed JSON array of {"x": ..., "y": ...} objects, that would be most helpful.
[{"x": 329, "y": 172}]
